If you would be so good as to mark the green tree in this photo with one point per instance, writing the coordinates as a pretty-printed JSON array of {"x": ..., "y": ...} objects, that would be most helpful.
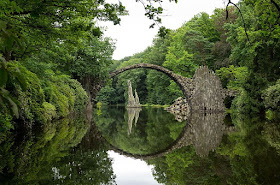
[
  {"x": 271, "y": 97},
  {"x": 261, "y": 53},
  {"x": 222, "y": 48}
]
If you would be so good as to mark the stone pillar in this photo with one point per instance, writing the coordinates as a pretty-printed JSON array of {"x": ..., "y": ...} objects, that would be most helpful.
[
  {"x": 131, "y": 100},
  {"x": 137, "y": 103}
]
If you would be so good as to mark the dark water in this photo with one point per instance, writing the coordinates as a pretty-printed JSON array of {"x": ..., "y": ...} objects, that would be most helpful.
[{"x": 143, "y": 146}]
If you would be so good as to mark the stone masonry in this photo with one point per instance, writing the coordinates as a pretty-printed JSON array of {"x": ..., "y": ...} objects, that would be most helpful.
[{"x": 203, "y": 93}]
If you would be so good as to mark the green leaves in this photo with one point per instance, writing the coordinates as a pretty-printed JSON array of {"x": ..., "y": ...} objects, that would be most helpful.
[
  {"x": 3, "y": 77},
  {"x": 9, "y": 40},
  {"x": 17, "y": 76},
  {"x": 6, "y": 98},
  {"x": 9, "y": 71},
  {"x": 233, "y": 77},
  {"x": 2, "y": 25},
  {"x": 8, "y": 7},
  {"x": 3, "y": 72},
  {"x": 271, "y": 97}
]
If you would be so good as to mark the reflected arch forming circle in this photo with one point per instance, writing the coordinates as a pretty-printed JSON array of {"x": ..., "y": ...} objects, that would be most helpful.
[{"x": 174, "y": 145}]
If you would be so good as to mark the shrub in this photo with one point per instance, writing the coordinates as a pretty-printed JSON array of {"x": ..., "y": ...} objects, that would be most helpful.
[
  {"x": 65, "y": 94},
  {"x": 5, "y": 123},
  {"x": 49, "y": 111},
  {"x": 32, "y": 98},
  {"x": 242, "y": 103},
  {"x": 50, "y": 96},
  {"x": 271, "y": 97}
]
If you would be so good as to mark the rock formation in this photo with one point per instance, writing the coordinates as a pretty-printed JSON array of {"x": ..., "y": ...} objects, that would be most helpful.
[
  {"x": 180, "y": 109},
  {"x": 132, "y": 102},
  {"x": 137, "y": 103}
]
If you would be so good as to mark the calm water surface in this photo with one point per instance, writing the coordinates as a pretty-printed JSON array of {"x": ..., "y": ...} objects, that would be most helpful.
[{"x": 145, "y": 146}]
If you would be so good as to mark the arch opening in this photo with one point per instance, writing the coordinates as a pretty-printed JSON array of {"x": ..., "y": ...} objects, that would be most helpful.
[{"x": 179, "y": 80}]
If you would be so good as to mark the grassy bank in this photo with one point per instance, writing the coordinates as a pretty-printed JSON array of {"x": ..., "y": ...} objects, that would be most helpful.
[{"x": 155, "y": 105}]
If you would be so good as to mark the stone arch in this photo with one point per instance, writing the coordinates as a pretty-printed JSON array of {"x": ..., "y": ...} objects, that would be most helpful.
[
  {"x": 184, "y": 83},
  {"x": 204, "y": 93}
]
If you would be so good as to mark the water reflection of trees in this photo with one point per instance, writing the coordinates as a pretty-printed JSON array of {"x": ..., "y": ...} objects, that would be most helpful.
[
  {"x": 209, "y": 152},
  {"x": 247, "y": 155},
  {"x": 51, "y": 156},
  {"x": 88, "y": 163},
  {"x": 203, "y": 131},
  {"x": 71, "y": 151},
  {"x": 155, "y": 129}
]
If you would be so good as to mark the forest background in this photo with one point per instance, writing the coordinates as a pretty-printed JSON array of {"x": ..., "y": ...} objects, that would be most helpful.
[{"x": 53, "y": 56}]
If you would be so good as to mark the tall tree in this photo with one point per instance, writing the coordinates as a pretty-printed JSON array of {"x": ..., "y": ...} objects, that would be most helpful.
[{"x": 261, "y": 53}]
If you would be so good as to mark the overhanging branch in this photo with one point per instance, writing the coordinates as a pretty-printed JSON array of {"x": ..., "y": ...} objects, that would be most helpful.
[{"x": 244, "y": 25}]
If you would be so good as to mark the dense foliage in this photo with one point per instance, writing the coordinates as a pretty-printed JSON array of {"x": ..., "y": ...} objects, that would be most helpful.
[
  {"x": 247, "y": 64},
  {"x": 53, "y": 58},
  {"x": 42, "y": 46},
  {"x": 41, "y": 98},
  {"x": 54, "y": 39},
  {"x": 48, "y": 40}
]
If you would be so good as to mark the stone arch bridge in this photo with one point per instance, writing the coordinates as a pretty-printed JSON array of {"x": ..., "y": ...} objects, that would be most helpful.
[
  {"x": 203, "y": 131},
  {"x": 204, "y": 92}
]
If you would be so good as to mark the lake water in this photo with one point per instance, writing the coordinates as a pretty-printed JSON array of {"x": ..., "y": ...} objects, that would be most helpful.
[{"x": 144, "y": 146}]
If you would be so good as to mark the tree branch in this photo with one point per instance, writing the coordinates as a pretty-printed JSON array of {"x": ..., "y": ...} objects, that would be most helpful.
[{"x": 244, "y": 25}]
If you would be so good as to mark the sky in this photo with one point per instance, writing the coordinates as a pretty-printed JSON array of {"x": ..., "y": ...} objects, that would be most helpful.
[
  {"x": 131, "y": 171},
  {"x": 133, "y": 35}
]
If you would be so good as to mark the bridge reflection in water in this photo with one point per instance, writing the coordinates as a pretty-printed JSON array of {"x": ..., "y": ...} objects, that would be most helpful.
[
  {"x": 203, "y": 131},
  {"x": 204, "y": 96}
]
